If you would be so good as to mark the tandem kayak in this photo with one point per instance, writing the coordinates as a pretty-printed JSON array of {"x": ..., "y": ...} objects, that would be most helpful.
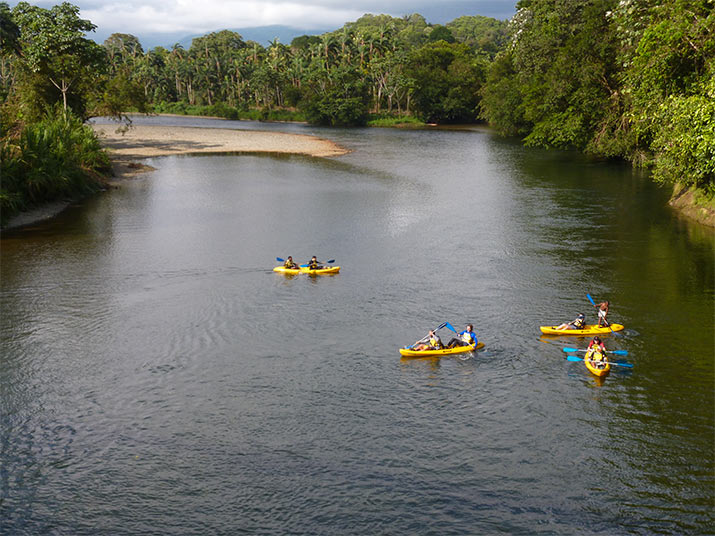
[
  {"x": 408, "y": 352},
  {"x": 591, "y": 329},
  {"x": 320, "y": 271},
  {"x": 294, "y": 271},
  {"x": 596, "y": 362},
  {"x": 284, "y": 270}
]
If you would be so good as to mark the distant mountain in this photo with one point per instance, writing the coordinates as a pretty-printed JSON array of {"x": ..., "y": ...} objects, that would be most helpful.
[{"x": 261, "y": 34}]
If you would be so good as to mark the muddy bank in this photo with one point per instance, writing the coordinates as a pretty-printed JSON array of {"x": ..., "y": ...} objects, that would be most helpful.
[{"x": 693, "y": 205}]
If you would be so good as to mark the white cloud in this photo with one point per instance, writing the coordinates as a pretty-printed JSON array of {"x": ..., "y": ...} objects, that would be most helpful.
[
  {"x": 162, "y": 20},
  {"x": 208, "y": 15}
]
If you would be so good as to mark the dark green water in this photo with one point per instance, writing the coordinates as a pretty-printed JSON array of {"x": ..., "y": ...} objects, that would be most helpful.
[{"x": 159, "y": 378}]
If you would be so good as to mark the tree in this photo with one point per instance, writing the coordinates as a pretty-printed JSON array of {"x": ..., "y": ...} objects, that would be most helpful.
[
  {"x": 9, "y": 32},
  {"x": 9, "y": 47},
  {"x": 338, "y": 98},
  {"x": 54, "y": 50},
  {"x": 441, "y": 33},
  {"x": 502, "y": 104},
  {"x": 669, "y": 58},
  {"x": 447, "y": 82},
  {"x": 482, "y": 34}
]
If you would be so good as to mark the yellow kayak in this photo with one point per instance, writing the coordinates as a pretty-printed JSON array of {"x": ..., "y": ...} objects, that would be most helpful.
[
  {"x": 321, "y": 271},
  {"x": 284, "y": 270},
  {"x": 591, "y": 329},
  {"x": 596, "y": 362},
  {"x": 408, "y": 352},
  {"x": 294, "y": 271}
]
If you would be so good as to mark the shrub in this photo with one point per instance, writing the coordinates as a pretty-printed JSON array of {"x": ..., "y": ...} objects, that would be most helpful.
[{"x": 56, "y": 158}]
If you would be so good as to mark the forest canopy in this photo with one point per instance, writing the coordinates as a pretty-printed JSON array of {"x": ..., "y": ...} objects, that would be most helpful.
[
  {"x": 624, "y": 79},
  {"x": 632, "y": 79}
]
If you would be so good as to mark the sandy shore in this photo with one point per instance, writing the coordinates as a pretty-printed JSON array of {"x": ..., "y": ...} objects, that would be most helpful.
[
  {"x": 127, "y": 149},
  {"x": 142, "y": 141}
]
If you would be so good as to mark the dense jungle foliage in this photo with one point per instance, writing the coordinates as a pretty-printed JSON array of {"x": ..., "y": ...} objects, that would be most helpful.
[{"x": 631, "y": 79}]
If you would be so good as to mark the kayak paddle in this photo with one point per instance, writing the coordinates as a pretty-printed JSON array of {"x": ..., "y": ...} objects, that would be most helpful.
[
  {"x": 615, "y": 352},
  {"x": 436, "y": 329},
  {"x": 280, "y": 260},
  {"x": 447, "y": 324},
  {"x": 331, "y": 261},
  {"x": 617, "y": 363}
]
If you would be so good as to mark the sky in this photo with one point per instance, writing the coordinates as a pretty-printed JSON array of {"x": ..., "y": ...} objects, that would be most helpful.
[{"x": 164, "y": 22}]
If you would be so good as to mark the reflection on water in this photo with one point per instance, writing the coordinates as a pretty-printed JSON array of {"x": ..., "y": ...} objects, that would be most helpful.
[{"x": 157, "y": 376}]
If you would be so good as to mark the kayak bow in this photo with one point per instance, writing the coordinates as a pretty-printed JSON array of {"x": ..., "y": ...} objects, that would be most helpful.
[{"x": 596, "y": 362}]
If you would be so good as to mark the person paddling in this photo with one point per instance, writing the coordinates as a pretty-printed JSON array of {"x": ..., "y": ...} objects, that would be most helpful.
[
  {"x": 602, "y": 312},
  {"x": 430, "y": 342},
  {"x": 289, "y": 264},
  {"x": 314, "y": 264},
  {"x": 596, "y": 351},
  {"x": 466, "y": 338}
]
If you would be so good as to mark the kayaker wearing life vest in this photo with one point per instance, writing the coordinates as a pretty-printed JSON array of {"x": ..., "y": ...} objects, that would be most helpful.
[
  {"x": 430, "y": 342},
  {"x": 466, "y": 338},
  {"x": 290, "y": 264},
  {"x": 313, "y": 264},
  {"x": 596, "y": 350},
  {"x": 602, "y": 312},
  {"x": 578, "y": 323},
  {"x": 598, "y": 343}
]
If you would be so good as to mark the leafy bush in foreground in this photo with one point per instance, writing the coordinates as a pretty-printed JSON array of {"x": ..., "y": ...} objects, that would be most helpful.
[{"x": 56, "y": 158}]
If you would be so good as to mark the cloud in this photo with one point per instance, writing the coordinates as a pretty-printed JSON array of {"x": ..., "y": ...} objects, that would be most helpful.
[
  {"x": 164, "y": 21},
  {"x": 190, "y": 16}
]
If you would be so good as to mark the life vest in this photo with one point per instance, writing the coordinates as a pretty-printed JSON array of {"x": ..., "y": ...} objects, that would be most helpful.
[
  {"x": 289, "y": 264},
  {"x": 579, "y": 323},
  {"x": 467, "y": 337},
  {"x": 596, "y": 353},
  {"x": 434, "y": 341}
]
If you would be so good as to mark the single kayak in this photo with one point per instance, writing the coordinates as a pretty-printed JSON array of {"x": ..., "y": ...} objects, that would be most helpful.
[
  {"x": 591, "y": 329},
  {"x": 408, "y": 352},
  {"x": 596, "y": 362},
  {"x": 294, "y": 271}
]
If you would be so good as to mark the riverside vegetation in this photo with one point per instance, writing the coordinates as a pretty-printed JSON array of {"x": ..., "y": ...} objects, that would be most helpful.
[{"x": 625, "y": 79}]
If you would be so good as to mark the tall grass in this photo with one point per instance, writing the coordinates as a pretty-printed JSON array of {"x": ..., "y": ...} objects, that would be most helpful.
[
  {"x": 56, "y": 158},
  {"x": 228, "y": 112},
  {"x": 389, "y": 120}
]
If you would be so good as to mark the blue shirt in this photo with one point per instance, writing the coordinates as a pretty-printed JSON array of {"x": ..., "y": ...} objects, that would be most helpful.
[{"x": 471, "y": 335}]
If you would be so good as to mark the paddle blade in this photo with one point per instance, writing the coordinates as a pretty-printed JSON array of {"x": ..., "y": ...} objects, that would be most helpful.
[
  {"x": 618, "y": 352},
  {"x": 280, "y": 260},
  {"x": 570, "y": 350},
  {"x": 573, "y": 358},
  {"x": 448, "y": 325},
  {"x": 331, "y": 261},
  {"x": 442, "y": 325},
  {"x": 622, "y": 364},
  {"x": 591, "y": 300},
  {"x": 303, "y": 265}
]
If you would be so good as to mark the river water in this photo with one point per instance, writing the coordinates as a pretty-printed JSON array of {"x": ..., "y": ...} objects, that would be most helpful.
[{"x": 159, "y": 378}]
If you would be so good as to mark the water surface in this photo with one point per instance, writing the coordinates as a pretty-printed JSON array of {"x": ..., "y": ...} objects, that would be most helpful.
[{"x": 158, "y": 377}]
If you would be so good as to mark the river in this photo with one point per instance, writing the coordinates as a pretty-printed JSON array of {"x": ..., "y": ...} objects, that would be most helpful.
[{"x": 159, "y": 378}]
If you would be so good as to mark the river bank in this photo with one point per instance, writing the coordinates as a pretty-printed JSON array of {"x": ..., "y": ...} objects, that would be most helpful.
[
  {"x": 144, "y": 141},
  {"x": 692, "y": 204},
  {"x": 127, "y": 147}
]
